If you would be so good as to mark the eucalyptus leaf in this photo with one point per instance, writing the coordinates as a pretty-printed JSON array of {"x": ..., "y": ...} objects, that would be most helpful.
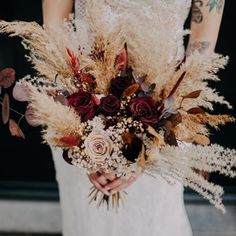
[{"x": 5, "y": 109}]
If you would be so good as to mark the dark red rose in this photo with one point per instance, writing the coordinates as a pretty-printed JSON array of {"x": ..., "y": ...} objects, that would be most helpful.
[
  {"x": 83, "y": 104},
  {"x": 118, "y": 85},
  {"x": 144, "y": 108},
  {"x": 87, "y": 78},
  {"x": 109, "y": 105}
]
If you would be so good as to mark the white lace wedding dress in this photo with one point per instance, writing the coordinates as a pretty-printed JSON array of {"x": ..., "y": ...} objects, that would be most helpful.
[{"x": 153, "y": 208}]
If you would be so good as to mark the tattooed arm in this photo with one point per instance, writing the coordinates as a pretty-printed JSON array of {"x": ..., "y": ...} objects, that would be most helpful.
[
  {"x": 55, "y": 11},
  {"x": 205, "y": 25}
]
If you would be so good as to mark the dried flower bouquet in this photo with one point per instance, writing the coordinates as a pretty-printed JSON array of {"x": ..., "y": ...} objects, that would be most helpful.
[{"x": 115, "y": 98}]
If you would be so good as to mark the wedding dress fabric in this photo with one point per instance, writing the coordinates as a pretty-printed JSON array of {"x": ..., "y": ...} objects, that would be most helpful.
[{"x": 154, "y": 207}]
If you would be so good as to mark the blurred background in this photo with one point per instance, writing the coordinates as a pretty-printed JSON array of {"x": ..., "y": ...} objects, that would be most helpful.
[{"x": 28, "y": 191}]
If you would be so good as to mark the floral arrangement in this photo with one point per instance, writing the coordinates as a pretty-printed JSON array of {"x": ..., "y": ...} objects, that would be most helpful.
[{"x": 114, "y": 103}]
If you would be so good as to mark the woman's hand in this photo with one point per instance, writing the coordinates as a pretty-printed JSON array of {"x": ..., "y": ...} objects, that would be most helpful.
[{"x": 108, "y": 183}]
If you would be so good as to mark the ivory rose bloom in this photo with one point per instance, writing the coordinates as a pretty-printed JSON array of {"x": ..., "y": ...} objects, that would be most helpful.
[{"x": 98, "y": 147}]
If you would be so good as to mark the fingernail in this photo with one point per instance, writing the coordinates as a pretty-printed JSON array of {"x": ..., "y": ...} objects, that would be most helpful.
[{"x": 107, "y": 188}]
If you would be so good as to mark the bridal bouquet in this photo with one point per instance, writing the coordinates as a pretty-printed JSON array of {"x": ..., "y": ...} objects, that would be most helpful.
[{"x": 117, "y": 100}]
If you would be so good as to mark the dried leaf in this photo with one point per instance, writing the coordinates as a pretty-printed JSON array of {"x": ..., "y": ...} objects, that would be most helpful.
[
  {"x": 66, "y": 157},
  {"x": 7, "y": 77},
  {"x": 175, "y": 119},
  {"x": 127, "y": 138},
  {"x": 170, "y": 138},
  {"x": 168, "y": 125},
  {"x": 194, "y": 94},
  {"x": 96, "y": 100},
  {"x": 62, "y": 99},
  {"x": 30, "y": 117},
  {"x": 5, "y": 109},
  {"x": 122, "y": 59},
  {"x": 70, "y": 141},
  {"x": 142, "y": 160},
  {"x": 131, "y": 90},
  {"x": 21, "y": 92},
  {"x": 139, "y": 80},
  {"x": 159, "y": 139},
  {"x": 177, "y": 84},
  {"x": 196, "y": 110},
  {"x": 148, "y": 89},
  {"x": 15, "y": 130}
]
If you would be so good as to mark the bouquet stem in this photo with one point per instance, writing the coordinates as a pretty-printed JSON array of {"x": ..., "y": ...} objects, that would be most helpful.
[{"x": 113, "y": 201}]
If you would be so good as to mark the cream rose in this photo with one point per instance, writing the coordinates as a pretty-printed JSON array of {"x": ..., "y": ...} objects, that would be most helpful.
[{"x": 97, "y": 147}]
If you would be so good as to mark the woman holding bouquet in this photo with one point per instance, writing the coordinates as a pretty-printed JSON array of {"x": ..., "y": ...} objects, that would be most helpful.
[{"x": 154, "y": 207}]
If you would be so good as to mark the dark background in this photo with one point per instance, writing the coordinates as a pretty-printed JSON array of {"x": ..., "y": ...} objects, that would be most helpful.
[{"x": 28, "y": 160}]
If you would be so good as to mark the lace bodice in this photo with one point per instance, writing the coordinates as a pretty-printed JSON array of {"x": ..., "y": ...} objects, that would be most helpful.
[
  {"x": 143, "y": 11},
  {"x": 80, "y": 5}
]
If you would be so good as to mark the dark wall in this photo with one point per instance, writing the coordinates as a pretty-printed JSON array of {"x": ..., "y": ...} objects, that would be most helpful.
[
  {"x": 21, "y": 160},
  {"x": 28, "y": 160}
]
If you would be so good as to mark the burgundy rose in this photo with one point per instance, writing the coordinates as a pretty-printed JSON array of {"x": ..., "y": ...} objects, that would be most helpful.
[
  {"x": 83, "y": 104},
  {"x": 109, "y": 105},
  {"x": 118, "y": 85},
  {"x": 144, "y": 108}
]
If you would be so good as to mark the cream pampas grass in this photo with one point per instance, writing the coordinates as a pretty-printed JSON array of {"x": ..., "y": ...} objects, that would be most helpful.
[
  {"x": 174, "y": 163},
  {"x": 58, "y": 120}
]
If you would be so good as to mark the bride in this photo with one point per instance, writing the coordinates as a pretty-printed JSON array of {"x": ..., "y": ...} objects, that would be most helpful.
[{"x": 148, "y": 211}]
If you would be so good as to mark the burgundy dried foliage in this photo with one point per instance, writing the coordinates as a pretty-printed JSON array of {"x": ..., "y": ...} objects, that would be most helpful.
[
  {"x": 15, "y": 130},
  {"x": 5, "y": 109},
  {"x": 122, "y": 59},
  {"x": 196, "y": 110},
  {"x": 194, "y": 94},
  {"x": 7, "y": 77},
  {"x": 175, "y": 119}
]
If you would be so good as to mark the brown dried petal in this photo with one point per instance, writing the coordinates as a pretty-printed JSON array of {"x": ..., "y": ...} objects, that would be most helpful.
[
  {"x": 194, "y": 94},
  {"x": 7, "y": 77},
  {"x": 5, "y": 109},
  {"x": 159, "y": 140},
  {"x": 170, "y": 138},
  {"x": 131, "y": 90},
  {"x": 127, "y": 138},
  {"x": 15, "y": 130},
  {"x": 175, "y": 119},
  {"x": 122, "y": 59},
  {"x": 196, "y": 110}
]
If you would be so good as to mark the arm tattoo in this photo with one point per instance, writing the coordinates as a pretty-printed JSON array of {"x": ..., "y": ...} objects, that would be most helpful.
[
  {"x": 200, "y": 46},
  {"x": 197, "y": 15},
  {"x": 215, "y": 4}
]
